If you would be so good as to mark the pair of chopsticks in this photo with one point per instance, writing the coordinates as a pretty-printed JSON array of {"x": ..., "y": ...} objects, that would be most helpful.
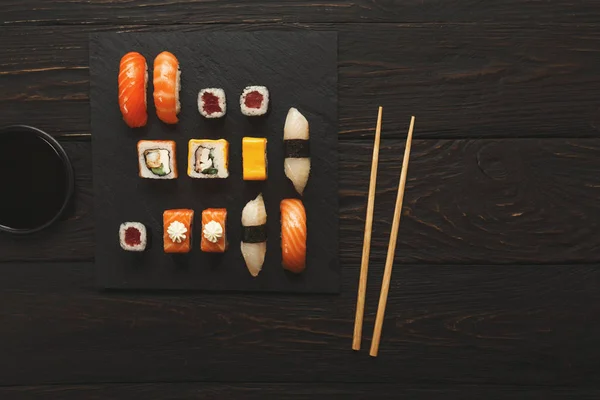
[{"x": 364, "y": 267}]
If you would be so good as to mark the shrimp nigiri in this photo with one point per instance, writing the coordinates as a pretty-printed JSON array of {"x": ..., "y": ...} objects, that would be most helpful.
[
  {"x": 254, "y": 236},
  {"x": 297, "y": 149},
  {"x": 167, "y": 83},
  {"x": 293, "y": 235},
  {"x": 133, "y": 80}
]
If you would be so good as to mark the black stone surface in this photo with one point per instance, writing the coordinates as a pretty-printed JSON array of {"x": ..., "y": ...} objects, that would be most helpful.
[{"x": 300, "y": 70}]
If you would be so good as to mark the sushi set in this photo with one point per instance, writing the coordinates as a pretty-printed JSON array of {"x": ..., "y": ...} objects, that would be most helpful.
[{"x": 192, "y": 192}]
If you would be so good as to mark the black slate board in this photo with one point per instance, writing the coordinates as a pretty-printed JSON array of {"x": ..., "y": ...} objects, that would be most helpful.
[{"x": 300, "y": 70}]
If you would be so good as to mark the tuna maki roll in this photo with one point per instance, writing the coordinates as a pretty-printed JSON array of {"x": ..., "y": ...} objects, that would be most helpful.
[
  {"x": 211, "y": 103},
  {"x": 133, "y": 236},
  {"x": 254, "y": 101}
]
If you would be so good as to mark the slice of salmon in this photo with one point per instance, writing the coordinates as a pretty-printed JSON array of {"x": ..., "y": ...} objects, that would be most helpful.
[
  {"x": 186, "y": 217},
  {"x": 133, "y": 78},
  {"x": 166, "y": 87},
  {"x": 218, "y": 215},
  {"x": 293, "y": 235}
]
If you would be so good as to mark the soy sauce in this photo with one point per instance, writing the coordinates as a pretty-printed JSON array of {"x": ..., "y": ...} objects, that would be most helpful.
[{"x": 33, "y": 183}]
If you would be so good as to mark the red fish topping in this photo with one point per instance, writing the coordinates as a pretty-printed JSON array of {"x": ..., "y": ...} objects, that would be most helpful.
[
  {"x": 254, "y": 99},
  {"x": 210, "y": 103},
  {"x": 133, "y": 237}
]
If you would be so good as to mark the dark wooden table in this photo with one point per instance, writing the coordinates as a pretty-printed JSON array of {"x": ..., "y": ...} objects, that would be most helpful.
[{"x": 496, "y": 288}]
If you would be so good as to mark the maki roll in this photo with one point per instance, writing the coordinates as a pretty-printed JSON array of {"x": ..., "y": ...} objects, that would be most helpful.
[
  {"x": 208, "y": 158},
  {"x": 214, "y": 235},
  {"x": 177, "y": 225},
  {"x": 157, "y": 159},
  {"x": 254, "y": 158},
  {"x": 293, "y": 235},
  {"x": 254, "y": 101},
  {"x": 133, "y": 81},
  {"x": 254, "y": 234},
  {"x": 211, "y": 103},
  {"x": 167, "y": 84},
  {"x": 296, "y": 149},
  {"x": 133, "y": 236}
]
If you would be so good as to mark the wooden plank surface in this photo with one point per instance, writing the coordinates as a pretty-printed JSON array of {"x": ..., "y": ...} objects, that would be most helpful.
[
  {"x": 496, "y": 289},
  {"x": 79, "y": 12},
  {"x": 500, "y": 201},
  {"x": 519, "y": 325},
  {"x": 293, "y": 391},
  {"x": 462, "y": 80}
]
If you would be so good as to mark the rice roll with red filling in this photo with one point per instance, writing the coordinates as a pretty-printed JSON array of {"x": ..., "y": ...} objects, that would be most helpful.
[
  {"x": 254, "y": 101},
  {"x": 133, "y": 236},
  {"x": 212, "y": 103}
]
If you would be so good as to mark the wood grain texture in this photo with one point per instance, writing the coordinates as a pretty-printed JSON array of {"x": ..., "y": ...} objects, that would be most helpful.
[
  {"x": 471, "y": 71},
  {"x": 502, "y": 201},
  {"x": 522, "y": 325},
  {"x": 293, "y": 391},
  {"x": 461, "y": 80},
  {"x": 78, "y": 12}
]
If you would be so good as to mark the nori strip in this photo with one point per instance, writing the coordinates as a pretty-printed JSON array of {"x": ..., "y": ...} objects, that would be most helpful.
[
  {"x": 254, "y": 234},
  {"x": 296, "y": 148}
]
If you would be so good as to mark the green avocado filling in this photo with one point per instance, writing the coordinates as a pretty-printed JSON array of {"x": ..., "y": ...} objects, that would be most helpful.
[{"x": 158, "y": 171}]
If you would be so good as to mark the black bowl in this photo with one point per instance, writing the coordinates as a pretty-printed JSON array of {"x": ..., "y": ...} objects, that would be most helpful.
[{"x": 63, "y": 196}]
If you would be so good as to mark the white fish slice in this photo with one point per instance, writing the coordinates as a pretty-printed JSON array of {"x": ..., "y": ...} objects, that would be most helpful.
[
  {"x": 254, "y": 214},
  {"x": 296, "y": 169}
]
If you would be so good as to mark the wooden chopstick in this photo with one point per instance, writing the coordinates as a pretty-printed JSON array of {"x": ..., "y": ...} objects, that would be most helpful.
[
  {"x": 364, "y": 265},
  {"x": 387, "y": 274}
]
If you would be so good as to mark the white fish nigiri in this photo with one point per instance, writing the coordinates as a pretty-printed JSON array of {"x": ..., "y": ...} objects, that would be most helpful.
[
  {"x": 254, "y": 236},
  {"x": 297, "y": 158}
]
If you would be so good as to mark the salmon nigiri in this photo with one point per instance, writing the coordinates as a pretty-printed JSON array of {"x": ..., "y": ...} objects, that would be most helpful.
[
  {"x": 133, "y": 80},
  {"x": 177, "y": 225},
  {"x": 167, "y": 84},
  {"x": 293, "y": 235},
  {"x": 214, "y": 238}
]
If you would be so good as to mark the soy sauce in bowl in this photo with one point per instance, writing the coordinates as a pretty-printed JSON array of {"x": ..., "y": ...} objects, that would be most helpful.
[{"x": 37, "y": 179}]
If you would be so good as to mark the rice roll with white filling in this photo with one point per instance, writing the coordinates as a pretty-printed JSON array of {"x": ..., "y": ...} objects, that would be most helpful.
[
  {"x": 208, "y": 159},
  {"x": 157, "y": 159}
]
